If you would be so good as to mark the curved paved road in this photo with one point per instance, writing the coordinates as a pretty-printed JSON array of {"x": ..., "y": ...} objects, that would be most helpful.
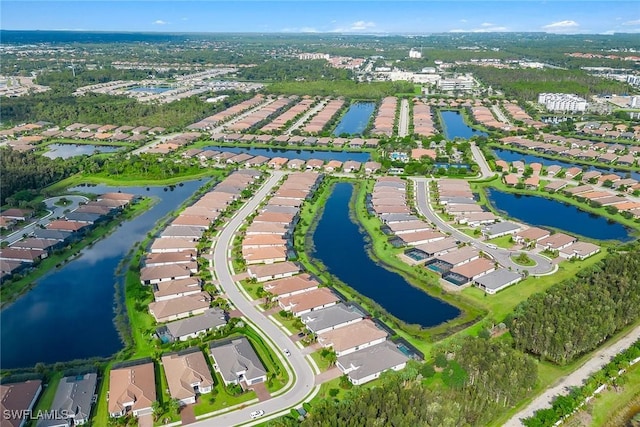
[
  {"x": 576, "y": 378},
  {"x": 304, "y": 376},
  {"x": 55, "y": 212},
  {"x": 502, "y": 256}
]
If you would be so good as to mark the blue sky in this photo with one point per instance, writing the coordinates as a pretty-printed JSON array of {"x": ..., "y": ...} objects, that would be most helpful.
[{"x": 366, "y": 17}]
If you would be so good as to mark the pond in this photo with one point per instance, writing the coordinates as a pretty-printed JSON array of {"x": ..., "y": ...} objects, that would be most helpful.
[
  {"x": 69, "y": 314},
  {"x": 149, "y": 89},
  {"x": 342, "y": 156},
  {"x": 542, "y": 212},
  {"x": 511, "y": 156},
  {"x": 454, "y": 126},
  {"x": 355, "y": 121},
  {"x": 341, "y": 246},
  {"x": 65, "y": 151}
]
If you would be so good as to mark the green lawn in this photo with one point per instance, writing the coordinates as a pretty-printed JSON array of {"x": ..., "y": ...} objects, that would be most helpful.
[
  {"x": 503, "y": 303},
  {"x": 323, "y": 363},
  {"x": 46, "y": 398},
  {"x": 610, "y": 402},
  {"x": 502, "y": 242},
  {"x": 101, "y": 409},
  {"x": 220, "y": 398}
]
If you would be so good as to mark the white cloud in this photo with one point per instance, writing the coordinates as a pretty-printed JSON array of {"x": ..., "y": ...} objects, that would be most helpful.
[
  {"x": 362, "y": 25},
  {"x": 463, "y": 21},
  {"x": 184, "y": 19},
  {"x": 634, "y": 22},
  {"x": 486, "y": 24},
  {"x": 160, "y": 22},
  {"x": 560, "y": 26},
  {"x": 308, "y": 30}
]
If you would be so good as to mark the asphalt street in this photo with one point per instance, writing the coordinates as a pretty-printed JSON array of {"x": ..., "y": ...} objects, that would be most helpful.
[{"x": 278, "y": 339}]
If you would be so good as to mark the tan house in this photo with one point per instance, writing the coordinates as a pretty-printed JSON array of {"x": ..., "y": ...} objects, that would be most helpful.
[
  {"x": 187, "y": 375},
  {"x": 132, "y": 389},
  {"x": 353, "y": 337},
  {"x": 308, "y": 301},
  {"x": 178, "y": 308}
]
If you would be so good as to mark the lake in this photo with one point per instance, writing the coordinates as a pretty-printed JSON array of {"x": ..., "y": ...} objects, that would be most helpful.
[
  {"x": 511, "y": 156},
  {"x": 538, "y": 211},
  {"x": 454, "y": 126},
  {"x": 342, "y": 156},
  {"x": 66, "y": 151},
  {"x": 356, "y": 119},
  {"x": 341, "y": 246},
  {"x": 149, "y": 89},
  {"x": 69, "y": 314}
]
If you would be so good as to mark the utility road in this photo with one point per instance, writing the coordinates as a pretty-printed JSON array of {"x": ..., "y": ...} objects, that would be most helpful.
[{"x": 403, "y": 120}]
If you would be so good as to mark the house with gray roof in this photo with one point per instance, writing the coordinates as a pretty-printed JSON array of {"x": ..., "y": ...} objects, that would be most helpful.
[
  {"x": 85, "y": 217},
  {"x": 237, "y": 362},
  {"x": 330, "y": 318},
  {"x": 60, "y": 235},
  {"x": 367, "y": 364},
  {"x": 499, "y": 229},
  {"x": 73, "y": 399},
  {"x": 497, "y": 280},
  {"x": 191, "y": 327}
]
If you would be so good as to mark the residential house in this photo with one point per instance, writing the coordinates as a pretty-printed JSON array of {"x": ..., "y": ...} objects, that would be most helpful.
[
  {"x": 531, "y": 235},
  {"x": 132, "y": 388},
  {"x": 365, "y": 365},
  {"x": 178, "y": 308},
  {"x": 579, "y": 250},
  {"x": 187, "y": 374},
  {"x": 176, "y": 288},
  {"x": 18, "y": 398},
  {"x": 330, "y": 318},
  {"x": 353, "y": 337},
  {"x": 290, "y": 286},
  {"x": 191, "y": 327},
  {"x": 74, "y": 397},
  {"x": 238, "y": 363},
  {"x": 556, "y": 241},
  {"x": 467, "y": 272},
  {"x": 497, "y": 280},
  {"x": 500, "y": 229},
  {"x": 163, "y": 273},
  {"x": 279, "y": 270},
  {"x": 306, "y": 302}
]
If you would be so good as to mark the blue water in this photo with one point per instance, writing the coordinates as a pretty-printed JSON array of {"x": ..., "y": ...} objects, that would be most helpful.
[
  {"x": 454, "y": 126},
  {"x": 356, "y": 119},
  {"x": 341, "y": 246},
  {"x": 149, "y": 89},
  {"x": 64, "y": 151},
  {"x": 543, "y": 212},
  {"x": 69, "y": 313},
  {"x": 342, "y": 156},
  {"x": 511, "y": 156}
]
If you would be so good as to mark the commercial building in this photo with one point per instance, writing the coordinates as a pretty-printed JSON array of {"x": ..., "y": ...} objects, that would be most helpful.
[{"x": 563, "y": 102}]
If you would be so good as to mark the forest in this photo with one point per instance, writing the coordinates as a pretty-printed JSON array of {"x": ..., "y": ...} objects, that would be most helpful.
[
  {"x": 480, "y": 379},
  {"x": 346, "y": 88},
  {"x": 528, "y": 83},
  {"x": 63, "y": 109},
  {"x": 293, "y": 70},
  {"x": 22, "y": 172},
  {"x": 576, "y": 316}
]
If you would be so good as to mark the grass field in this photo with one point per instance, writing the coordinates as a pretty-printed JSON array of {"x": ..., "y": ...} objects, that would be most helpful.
[{"x": 610, "y": 402}]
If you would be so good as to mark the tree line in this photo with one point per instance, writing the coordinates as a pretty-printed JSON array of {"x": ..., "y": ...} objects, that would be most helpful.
[
  {"x": 292, "y": 70},
  {"x": 528, "y": 83},
  {"x": 479, "y": 379},
  {"x": 577, "y": 315},
  {"x": 22, "y": 172}
]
